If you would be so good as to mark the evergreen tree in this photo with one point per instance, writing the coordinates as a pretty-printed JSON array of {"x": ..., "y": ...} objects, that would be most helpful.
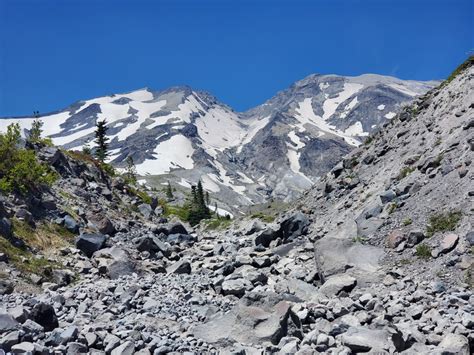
[
  {"x": 101, "y": 140},
  {"x": 35, "y": 131},
  {"x": 86, "y": 149},
  {"x": 131, "y": 170},
  {"x": 208, "y": 199},
  {"x": 169, "y": 191}
]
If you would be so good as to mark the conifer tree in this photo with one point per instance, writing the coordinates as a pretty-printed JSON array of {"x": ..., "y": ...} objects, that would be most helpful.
[
  {"x": 101, "y": 140},
  {"x": 208, "y": 199},
  {"x": 131, "y": 170},
  {"x": 169, "y": 191},
  {"x": 35, "y": 131}
]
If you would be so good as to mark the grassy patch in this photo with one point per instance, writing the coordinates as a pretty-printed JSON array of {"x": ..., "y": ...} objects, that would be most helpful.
[
  {"x": 442, "y": 222},
  {"x": 45, "y": 236},
  {"x": 466, "y": 64},
  {"x": 25, "y": 261},
  {"x": 423, "y": 251},
  {"x": 263, "y": 217},
  {"x": 216, "y": 223},
  {"x": 407, "y": 170}
]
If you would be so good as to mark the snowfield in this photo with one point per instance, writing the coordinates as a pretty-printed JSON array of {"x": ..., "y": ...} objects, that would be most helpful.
[{"x": 174, "y": 153}]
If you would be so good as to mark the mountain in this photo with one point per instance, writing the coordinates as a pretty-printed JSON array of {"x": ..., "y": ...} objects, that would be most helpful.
[
  {"x": 376, "y": 258},
  {"x": 275, "y": 150}
]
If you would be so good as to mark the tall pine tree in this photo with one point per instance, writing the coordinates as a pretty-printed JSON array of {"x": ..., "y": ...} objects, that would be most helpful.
[{"x": 101, "y": 140}]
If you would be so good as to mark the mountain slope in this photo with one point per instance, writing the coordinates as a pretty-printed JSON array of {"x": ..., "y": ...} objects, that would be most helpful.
[{"x": 275, "y": 150}]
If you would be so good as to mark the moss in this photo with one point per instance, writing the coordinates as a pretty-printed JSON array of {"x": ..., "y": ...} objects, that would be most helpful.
[
  {"x": 423, "y": 251},
  {"x": 442, "y": 222}
]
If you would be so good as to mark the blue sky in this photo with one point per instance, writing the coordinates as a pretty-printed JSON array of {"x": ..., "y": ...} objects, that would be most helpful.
[{"x": 55, "y": 52}]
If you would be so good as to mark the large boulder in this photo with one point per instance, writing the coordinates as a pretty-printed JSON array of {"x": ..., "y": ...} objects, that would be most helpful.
[
  {"x": 114, "y": 262},
  {"x": 153, "y": 245},
  {"x": 179, "y": 267},
  {"x": 454, "y": 344},
  {"x": 248, "y": 322},
  {"x": 6, "y": 287},
  {"x": 336, "y": 255},
  {"x": 336, "y": 284},
  {"x": 7, "y": 322},
  {"x": 90, "y": 243},
  {"x": 44, "y": 315},
  {"x": 99, "y": 221},
  {"x": 294, "y": 226},
  {"x": 360, "y": 339},
  {"x": 5, "y": 227}
]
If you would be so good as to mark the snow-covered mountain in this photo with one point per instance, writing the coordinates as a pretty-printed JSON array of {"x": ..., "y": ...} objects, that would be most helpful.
[{"x": 277, "y": 149}]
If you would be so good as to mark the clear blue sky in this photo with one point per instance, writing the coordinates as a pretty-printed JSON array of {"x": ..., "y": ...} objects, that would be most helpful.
[{"x": 55, "y": 52}]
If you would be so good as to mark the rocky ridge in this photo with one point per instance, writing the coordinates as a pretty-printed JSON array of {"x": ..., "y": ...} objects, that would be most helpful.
[{"x": 376, "y": 258}]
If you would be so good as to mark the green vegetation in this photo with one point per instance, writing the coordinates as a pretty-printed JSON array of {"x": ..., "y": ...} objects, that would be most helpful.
[
  {"x": 407, "y": 221},
  {"x": 169, "y": 191},
  {"x": 442, "y": 222},
  {"x": 392, "y": 207},
  {"x": 217, "y": 223},
  {"x": 359, "y": 239},
  {"x": 423, "y": 251},
  {"x": 466, "y": 64},
  {"x": 130, "y": 171},
  {"x": 101, "y": 140},
  {"x": 263, "y": 217},
  {"x": 46, "y": 237},
  {"x": 407, "y": 170},
  {"x": 198, "y": 209},
  {"x": 369, "y": 140},
  {"x": 19, "y": 170}
]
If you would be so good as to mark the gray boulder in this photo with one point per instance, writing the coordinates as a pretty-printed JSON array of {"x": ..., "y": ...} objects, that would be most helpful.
[
  {"x": 179, "y": 267},
  {"x": 336, "y": 284},
  {"x": 90, "y": 243}
]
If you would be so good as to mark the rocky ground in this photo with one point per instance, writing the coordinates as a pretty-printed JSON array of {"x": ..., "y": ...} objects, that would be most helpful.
[{"x": 377, "y": 258}]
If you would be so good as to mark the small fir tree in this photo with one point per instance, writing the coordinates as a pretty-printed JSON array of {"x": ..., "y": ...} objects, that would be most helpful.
[
  {"x": 131, "y": 170},
  {"x": 101, "y": 140},
  {"x": 36, "y": 131},
  {"x": 169, "y": 191}
]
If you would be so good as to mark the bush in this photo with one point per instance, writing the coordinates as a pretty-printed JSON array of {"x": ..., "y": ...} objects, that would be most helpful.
[
  {"x": 19, "y": 170},
  {"x": 423, "y": 251},
  {"x": 442, "y": 222}
]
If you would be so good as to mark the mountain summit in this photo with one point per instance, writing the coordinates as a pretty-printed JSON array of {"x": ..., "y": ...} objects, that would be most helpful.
[{"x": 275, "y": 150}]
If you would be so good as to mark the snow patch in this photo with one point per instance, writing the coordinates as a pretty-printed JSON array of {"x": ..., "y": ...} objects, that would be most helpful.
[
  {"x": 381, "y": 107},
  {"x": 174, "y": 153},
  {"x": 390, "y": 115}
]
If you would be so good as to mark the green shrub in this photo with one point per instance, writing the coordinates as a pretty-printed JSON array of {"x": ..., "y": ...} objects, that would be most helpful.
[
  {"x": 407, "y": 221},
  {"x": 392, "y": 207},
  {"x": 19, "y": 169},
  {"x": 442, "y": 222},
  {"x": 423, "y": 251}
]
